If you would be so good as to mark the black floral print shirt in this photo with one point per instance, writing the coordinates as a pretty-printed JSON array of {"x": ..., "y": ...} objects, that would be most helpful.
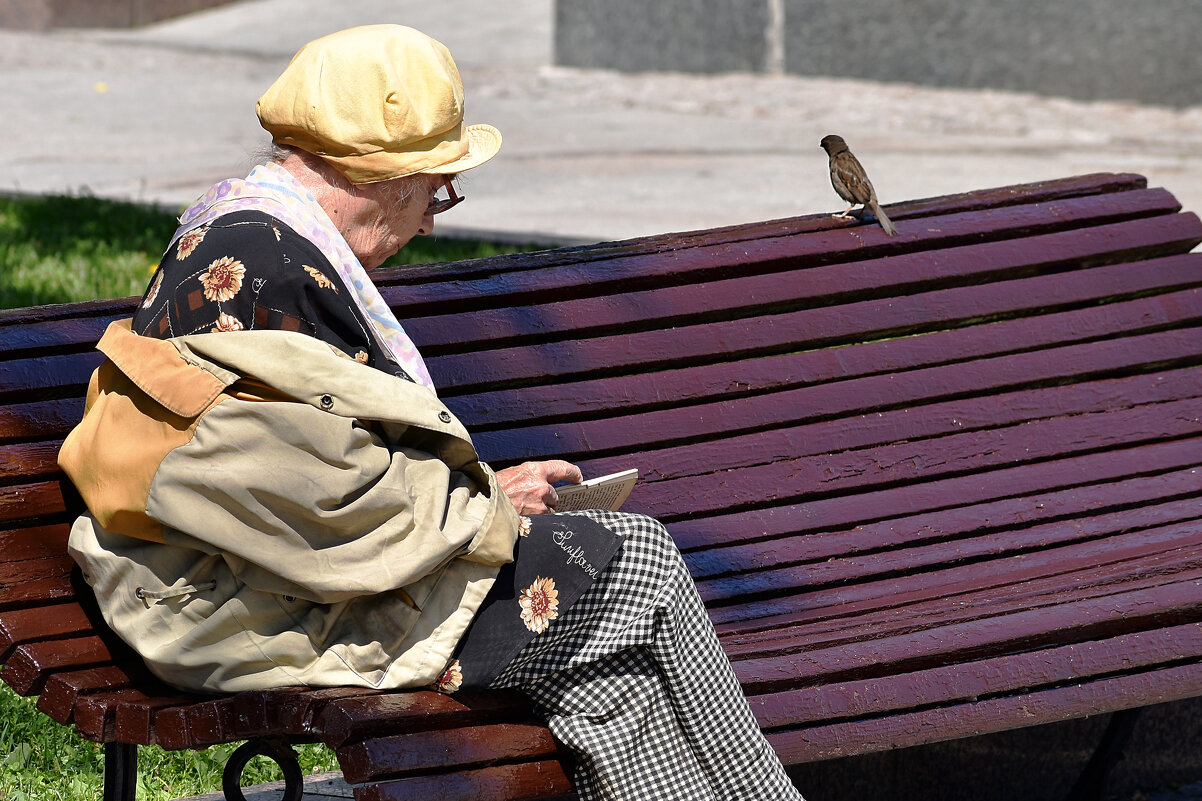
[{"x": 247, "y": 271}]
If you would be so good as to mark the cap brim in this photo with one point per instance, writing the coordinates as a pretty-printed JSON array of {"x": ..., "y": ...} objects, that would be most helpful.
[{"x": 483, "y": 143}]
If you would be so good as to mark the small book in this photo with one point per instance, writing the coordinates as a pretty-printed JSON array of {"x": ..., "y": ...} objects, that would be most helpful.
[{"x": 605, "y": 492}]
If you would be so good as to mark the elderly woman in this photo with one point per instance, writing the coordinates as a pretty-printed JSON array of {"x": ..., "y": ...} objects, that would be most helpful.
[{"x": 276, "y": 495}]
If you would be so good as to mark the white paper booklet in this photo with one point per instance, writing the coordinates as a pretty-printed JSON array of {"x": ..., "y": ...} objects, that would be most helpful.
[{"x": 605, "y": 492}]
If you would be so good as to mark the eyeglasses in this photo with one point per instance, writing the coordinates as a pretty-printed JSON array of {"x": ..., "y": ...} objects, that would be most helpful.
[{"x": 439, "y": 205}]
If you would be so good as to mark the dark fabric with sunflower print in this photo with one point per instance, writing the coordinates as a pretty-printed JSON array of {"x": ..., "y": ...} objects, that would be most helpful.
[
  {"x": 556, "y": 558},
  {"x": 247, "y": 271}
]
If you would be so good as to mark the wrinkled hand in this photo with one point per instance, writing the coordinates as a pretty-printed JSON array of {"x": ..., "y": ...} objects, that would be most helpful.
[{"x": 528, "y": 484}]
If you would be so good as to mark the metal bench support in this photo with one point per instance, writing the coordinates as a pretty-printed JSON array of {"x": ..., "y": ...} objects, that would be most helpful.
[
  {"x": 279, "y": 751},
  {"x": 120, "y": 771},
  {"x": 1092, "y": 781}
]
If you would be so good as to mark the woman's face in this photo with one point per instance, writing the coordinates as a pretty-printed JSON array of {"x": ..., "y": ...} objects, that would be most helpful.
[{"x": 376, "y": 225}]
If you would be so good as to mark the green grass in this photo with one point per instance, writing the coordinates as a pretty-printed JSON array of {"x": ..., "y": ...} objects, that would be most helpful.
[{"x": 59, "y": 249}]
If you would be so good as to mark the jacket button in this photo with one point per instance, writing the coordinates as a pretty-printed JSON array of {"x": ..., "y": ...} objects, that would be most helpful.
[
  {"x": 444, "y": 416},
  {"x": 327, "y": 402}
]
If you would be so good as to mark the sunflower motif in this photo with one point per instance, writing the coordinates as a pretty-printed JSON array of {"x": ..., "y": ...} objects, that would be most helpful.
[
  {"x": 320, "y": 278},
  {"x": 451, "y": 678},
  {"x": 227, "y": 322},
  {"x": 223, "y": 279},
  {"x": 188, "y": 242},
  {"x": 524, "y": 526},
  {"x": 154, "y": 291},
  {"x": 540, "y": 604}
]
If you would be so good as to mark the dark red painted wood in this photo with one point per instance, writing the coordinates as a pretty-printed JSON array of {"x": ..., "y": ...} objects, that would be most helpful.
[
  {"x": 501, "y": 783},
  {"x": 863, "y": 431},
  {"x": 40, "y": 419},
  {"x": 986, "y": 716},
  {"x": 357, "y": 718},
  {"x": 940, "y": 479},
  {"x": 1051, "y": 518},
  {"x": 611, "y": 276},
  {"x": 1167, "y": 605},
  {"x": 420, "y": 752},
  {"x": 1035, "y": 669},
  {"x": 925, "y": 459},
  {"x": 95, "y": 715},
  {"x": 990, "y": 587},
  {"x": 20, "y": 626},
  {"x": 29, "y": 460},
  {"x": 64, "y": 691},
  {"x": 842, "y": 512},
  {"x": 134, "y": 717},
  {"x": 745, "y": 296},
  {"x": 30, "y": 502},
  {"x": 30, "y": 665},
  {"x": 871, "y": 393}
]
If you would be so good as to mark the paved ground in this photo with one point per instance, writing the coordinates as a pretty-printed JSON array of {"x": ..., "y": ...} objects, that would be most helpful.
[{"x": 158, "y": 113}]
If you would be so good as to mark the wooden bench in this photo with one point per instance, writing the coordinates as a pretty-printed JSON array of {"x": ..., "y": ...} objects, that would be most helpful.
[{"x": 930, "y": 486}]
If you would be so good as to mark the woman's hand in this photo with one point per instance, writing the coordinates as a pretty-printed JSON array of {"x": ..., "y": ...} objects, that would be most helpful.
[{"x": 528, "y": 484}]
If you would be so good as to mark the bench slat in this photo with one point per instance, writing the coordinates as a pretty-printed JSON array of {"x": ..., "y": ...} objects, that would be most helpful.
[
  {"x": 29, "y": 460},
  {"x": 421, "y": 752},
  {"x": 749, "y": 295},
  {"x": 64, "y": 691},
  {"x": 913, "y": 422},
  {"x": 1128, "y": 562},
  {"x": 40, "y": 419},
  {"x": 765, "y": 371},
  {"x": 846, "y": 511},
  {"x": 20, "y": 626},
  {"x": 31, "y": 664},
  {"x": 1040, "y": 668},
  {"x": 348, "y": 720},
  {"x": 987, "y": 716},
  {"x": 41, "y": 501},
  {"x": 1092, "y": 618},
  {"x": 862, "y": 469},
  {"x": 975, "y": 531},
  {"x": 545, "y": 779},
  {"x": 871, "y": 393},
  {"x": 1179, "y": 234},
  {"x": 95, "y": 715}
]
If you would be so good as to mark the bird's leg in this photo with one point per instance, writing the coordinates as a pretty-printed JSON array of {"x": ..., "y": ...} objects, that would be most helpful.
[{"x": 845, "y": 214}]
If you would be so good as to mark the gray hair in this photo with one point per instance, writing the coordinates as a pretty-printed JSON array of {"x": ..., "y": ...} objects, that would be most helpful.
[{"x": 399, "y": 191}]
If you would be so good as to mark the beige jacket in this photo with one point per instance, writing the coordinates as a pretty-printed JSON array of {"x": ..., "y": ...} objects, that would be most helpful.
[{"x": 264, "y": 512}]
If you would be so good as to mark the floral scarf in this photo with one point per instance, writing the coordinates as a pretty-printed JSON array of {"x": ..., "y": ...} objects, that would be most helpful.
[{"x": 272, "y": 190}]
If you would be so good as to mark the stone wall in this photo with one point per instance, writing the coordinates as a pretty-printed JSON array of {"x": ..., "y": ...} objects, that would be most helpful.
[
  {"x": 40, "y": 15},
  {"x": 1142, "y": 50}
]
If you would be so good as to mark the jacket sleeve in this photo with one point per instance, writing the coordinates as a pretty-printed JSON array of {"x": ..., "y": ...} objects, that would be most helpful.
[{"x": 323, "y": 507}]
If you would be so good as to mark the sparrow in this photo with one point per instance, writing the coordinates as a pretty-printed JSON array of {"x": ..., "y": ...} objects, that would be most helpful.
[{"x": 851, "y": 182}]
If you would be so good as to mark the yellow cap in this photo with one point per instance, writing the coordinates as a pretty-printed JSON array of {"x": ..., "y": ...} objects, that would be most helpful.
[{"x": 377, "y": 102}]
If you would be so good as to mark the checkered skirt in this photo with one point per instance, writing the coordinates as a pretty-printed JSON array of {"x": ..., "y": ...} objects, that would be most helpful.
[{"x": 633, "y": 682}]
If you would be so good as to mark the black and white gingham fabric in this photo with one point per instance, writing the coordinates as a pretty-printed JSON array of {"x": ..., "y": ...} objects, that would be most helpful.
[{"x": 633, "y": 681}]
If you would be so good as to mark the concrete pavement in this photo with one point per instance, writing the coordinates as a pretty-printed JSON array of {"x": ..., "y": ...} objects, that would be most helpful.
[{"x": 157, "y": 114}]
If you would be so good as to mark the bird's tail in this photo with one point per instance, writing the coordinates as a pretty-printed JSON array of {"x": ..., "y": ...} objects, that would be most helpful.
[{"x": 884, "y": 220}]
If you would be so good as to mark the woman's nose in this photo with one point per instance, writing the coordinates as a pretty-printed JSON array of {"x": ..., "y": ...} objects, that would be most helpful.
[{"x": 427, "y": 226}]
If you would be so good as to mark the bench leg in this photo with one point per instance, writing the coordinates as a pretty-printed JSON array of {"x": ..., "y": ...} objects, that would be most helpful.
[
  {"x": 279, "y": 751},
  {"x": 120, "y": 771},
  {"x": 1092, "y": 781}
]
